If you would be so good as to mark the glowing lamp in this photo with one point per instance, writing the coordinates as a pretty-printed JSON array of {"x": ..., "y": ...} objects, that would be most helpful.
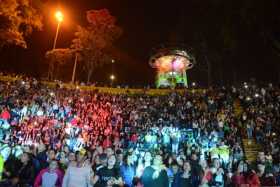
[
  {"x": 59, "y": 16},
  {"x": 112, "y": 77}
]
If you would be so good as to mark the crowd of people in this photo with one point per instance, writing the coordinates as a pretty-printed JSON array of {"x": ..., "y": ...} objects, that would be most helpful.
[{"x": 55, "y": 137}]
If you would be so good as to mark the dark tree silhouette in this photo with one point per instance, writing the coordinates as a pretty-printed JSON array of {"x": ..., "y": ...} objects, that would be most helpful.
[
  {"x": 94, "y": 42},
  {"x": 18, "y": 18}
]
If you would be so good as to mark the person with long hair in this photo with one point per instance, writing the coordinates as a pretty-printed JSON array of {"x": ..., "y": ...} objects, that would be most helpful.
[
  {"x": 127, "y": 170},
  {"x": 186, "y": 177}
]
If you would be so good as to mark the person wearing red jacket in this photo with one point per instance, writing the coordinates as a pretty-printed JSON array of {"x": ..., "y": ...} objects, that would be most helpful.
[
  {"x": 50, "y": 176},
  {"x": 252, "y": 179}
]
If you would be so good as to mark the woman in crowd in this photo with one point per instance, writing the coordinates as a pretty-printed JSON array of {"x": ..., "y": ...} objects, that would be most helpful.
[
  {"x": 186, "y": 178},
  {"x": 128, "y": 170}
]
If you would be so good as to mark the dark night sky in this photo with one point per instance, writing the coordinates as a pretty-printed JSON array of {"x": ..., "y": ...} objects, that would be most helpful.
[{"x": 148, "y": 23}]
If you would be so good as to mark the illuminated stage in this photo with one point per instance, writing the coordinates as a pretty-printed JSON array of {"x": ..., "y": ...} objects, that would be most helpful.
[{"x": 171, "y": 64}]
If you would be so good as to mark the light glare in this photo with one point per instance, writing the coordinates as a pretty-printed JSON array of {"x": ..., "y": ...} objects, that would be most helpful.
[{"x": 59, "y": 16}]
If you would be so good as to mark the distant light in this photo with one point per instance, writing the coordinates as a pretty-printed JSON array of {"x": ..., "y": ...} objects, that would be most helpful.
[
  {"x": 22, "y": 82},
  {"x": 257, "y": 95},
  {"x": 172, "y": 73},
  {"x": 59, "y": 16},
  {"x": 194, "y": 84},
  {"x": 113, "y": 61},
  {"x": 246, "y": 86},
  {"x": 52, "y": 94},
  {"x": 112, "y": 77},
  {"x": 77, "y": 87},
  {"x": 248, "y": 98}
]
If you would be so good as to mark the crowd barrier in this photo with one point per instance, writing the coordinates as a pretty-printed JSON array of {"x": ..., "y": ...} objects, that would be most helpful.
[{"x": 129, "y": 91}]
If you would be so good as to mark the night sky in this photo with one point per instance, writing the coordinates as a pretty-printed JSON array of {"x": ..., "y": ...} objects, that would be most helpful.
[{"x": 251, "y": 27}]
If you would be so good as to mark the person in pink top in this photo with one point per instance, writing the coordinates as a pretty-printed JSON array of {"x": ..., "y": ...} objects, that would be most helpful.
[
  {"x": 5, "y": 114},
  {"x": 49, "y": 177}
]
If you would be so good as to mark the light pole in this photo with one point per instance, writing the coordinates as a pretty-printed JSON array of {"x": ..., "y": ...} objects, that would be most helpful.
[
  {"x": 74, "y": 68},
  {"x": 59, "y": 17}
]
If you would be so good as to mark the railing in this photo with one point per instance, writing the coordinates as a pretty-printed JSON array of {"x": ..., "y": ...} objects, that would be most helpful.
[{"x": 110, "y": 90}]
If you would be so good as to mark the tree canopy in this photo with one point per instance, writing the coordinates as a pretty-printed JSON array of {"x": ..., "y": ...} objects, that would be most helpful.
[
  {"x": 93, "y": 42},
  {"x": 57, "y": 58},
  {"x": 18, "y": 19}
]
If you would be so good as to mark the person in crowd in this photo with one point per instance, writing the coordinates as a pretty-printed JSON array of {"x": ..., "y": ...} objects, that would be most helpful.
[
  {"x": 80, "y": 174},
  {"x": 128, "y": 170},
  {"x": 49, "y": 177},
  {"x": 142, "y": 165},
  {"x": 137, "y": 182},
  {"x": 251, "y": 178},
  {"x": 116, "y": 135},
  {"x": 186, "y": 178},
  {"x": 108, "y": 176},
  {"x": 156, "y": 174},
  {"x": 25, "y": 174},
  {"x": 172, "y": 170}
]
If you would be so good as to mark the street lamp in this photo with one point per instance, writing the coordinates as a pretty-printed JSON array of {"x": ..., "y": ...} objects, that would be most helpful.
[
  {"x": 59, "y": 17},
  {"x": 112, "y": 77}
]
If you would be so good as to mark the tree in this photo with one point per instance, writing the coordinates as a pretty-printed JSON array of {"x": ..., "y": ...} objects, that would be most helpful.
[
  {"x": 18, "y": 18},
  {"x": 57, "y": 58},
  {"x": 94, "y": 42}
]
